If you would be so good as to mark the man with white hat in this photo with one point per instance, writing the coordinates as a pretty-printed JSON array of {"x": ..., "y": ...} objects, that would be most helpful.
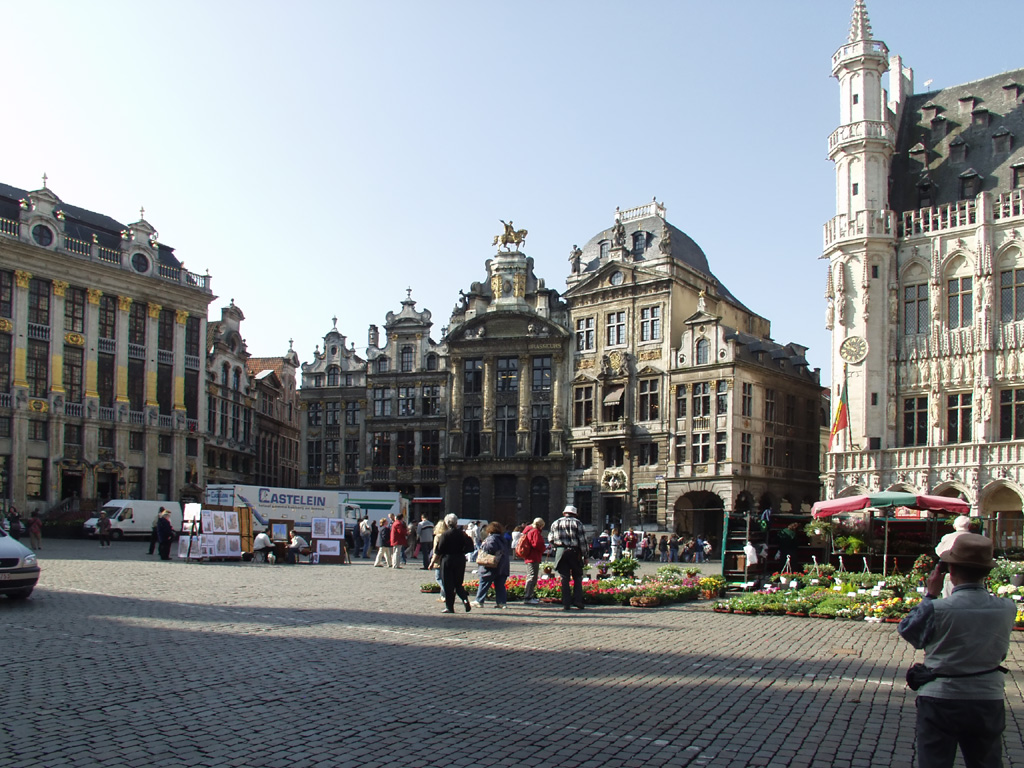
[
  {"x": 570, "y": 541},
  {"x": 965, "y": 638}
]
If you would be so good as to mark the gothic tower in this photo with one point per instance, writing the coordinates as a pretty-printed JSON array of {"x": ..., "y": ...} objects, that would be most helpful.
[{"x": 860, "y": 239}]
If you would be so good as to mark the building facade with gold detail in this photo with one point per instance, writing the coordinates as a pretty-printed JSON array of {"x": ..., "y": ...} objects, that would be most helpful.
[
  {"x": 406, "y": 415},
  {"x": 925, "y": 292},
  {"x": 332, "y": 418},
  {"x": 276, "y": 419},
  {"x": 101, "y": 358},
  {"x": 510, "y": 357},
  {"x": 681, "y": 405}
]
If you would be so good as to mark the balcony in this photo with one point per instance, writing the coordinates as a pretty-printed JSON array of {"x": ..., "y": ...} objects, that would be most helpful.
[
  {"x": 867, "y": 223},
  {"x": 107, "y": 346},
  {"x": 862, "y": 130},
  {"x": 137, "y": 417},
  {"x": 5, "y": 399},
  {"x": 1009, "y": 205},
  {"x": 381, "y": 475},
  {"x": 612, "y": 430},
  {"x": 192, "y": 362},
  {"x": 963, "y": 213},
  {"x": 73, "y": 409},
  {"x": 166, "y": 421},
  {"x": 38, "y": 332},
  {"x": 165, "y": 357},
  {"x": 137, "y": 351},
  {"x": 924, "y": 467},
  {"x": 107, "y": 414}
]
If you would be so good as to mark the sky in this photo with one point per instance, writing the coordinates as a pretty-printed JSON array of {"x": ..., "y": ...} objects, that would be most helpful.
[{"x": 319, "y": 158}]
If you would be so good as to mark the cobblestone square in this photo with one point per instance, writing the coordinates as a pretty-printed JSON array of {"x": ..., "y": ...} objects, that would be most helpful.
[{"x": 120, "y": 659}]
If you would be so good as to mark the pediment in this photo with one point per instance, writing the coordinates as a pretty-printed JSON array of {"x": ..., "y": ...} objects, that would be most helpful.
[
  {"x": 650, "y": 370},
  {"x": 702, "y": 317}
]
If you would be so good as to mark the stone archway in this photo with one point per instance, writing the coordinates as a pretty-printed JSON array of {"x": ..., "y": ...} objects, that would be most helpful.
[
  {"x": 699, "y": 512},
  {"x": 1002, "y": 503}
]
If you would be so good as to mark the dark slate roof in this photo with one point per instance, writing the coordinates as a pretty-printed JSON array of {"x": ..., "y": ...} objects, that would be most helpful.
[
  {"x": 81, "y": 224},
  {"x": 753, "y": 348},
  {"x": 956, "y": 108},
  {"x": 683, "y": 249}
]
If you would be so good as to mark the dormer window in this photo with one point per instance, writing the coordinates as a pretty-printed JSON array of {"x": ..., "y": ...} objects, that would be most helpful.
[
  {"x": 940, "y": 127},
  {"x": 979, "y": 118},
  {"x": 967, "y": 104},
  {"x": 1018, "y": 175},
  {"x": 958, "y": 150},
  {"x": 382, "y": 365},
  {"x": 703, "y": 352},
  {"x": 333, "y": 376},
  {"x": 970, "y": 184},
  {"x": 639, "y": 243},
  {"x": 606, "y": 248},
  {"x": 925, "y": 195},
  {"x": 929, "y": 111},
  {"x": 1002, "y": 141},
  {"x": 1011, "y": 91}
]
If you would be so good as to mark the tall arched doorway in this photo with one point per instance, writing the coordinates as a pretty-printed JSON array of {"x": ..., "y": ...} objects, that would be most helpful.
[
  {"x": 699, "y": 512},
  {"x": 1002, "y": 505}
]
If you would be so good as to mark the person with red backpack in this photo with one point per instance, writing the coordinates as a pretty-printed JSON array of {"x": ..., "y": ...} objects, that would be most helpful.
[
  {"x": 530, "y": 547},
  {"x": 629, "y": 541}
]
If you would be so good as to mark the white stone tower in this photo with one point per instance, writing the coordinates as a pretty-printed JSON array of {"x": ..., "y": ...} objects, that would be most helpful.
[{"x": 860, "y": 240}]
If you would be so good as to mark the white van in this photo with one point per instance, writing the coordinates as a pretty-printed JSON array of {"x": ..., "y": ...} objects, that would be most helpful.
[{"x": 134, "y": 517}]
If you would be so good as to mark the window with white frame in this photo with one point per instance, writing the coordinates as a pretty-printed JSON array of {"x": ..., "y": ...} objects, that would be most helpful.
[
  {"x": 585, "y": 334},
  {"x": 615, "y": 328},
  {"x": 650, "y": 323}
]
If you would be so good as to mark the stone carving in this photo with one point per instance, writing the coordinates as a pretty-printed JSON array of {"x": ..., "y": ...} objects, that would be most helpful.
[
  {"x": 519, "y": 284},
  {"x": 894, "y": 306},
  {"x": 21, "y": 278},
  {"x": 618, "y": 233},
  {"x": 59, "y": 287},
  {"x": 180, "y": 316},
  {"x": 93, "y": 295},
  {"x": 841, "y": 294},
  {"x": 830, "y": 313},
  {"x": 665, "y": 244},
  {"x": 575, "y": 256},
  {"x": 124, "y": 303},
  {"x": 154, "y": 311}
]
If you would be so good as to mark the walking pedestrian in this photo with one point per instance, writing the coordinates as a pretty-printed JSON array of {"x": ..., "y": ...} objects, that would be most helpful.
[
  {"x": 35, "y": 531},
  {"x": 453, "y": 546},
  {"x": 532, "y": 549},
  {"x": 366, "y": 529},
  {"x": 164, "y": 533},
  {"x": 570, "y": 541},
  {"x": 425, "y": 535},
  {"x": 399, "y": 538},
  {"x": 103, "y": 529},
  {"x": 435, "y": 558},
  {"x": 616, "y": 544},
  {"x": 965, "y": 638},
  {"x": 494, "y": 573},
  {"x": 383, "y": 544},
  {"x": 152, "y": 535}
]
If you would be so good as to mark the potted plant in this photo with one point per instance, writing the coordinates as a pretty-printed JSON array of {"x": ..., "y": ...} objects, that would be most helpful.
[
  {"x": 625, "y": 567},
  {"x": 430, "y": 586}
]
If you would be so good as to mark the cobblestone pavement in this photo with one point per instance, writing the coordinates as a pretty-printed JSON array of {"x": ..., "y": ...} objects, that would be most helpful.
[{"x": 119, "y": 659}]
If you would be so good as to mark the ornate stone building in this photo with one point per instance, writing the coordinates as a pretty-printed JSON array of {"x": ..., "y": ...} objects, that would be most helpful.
[
  {"x": 273, "y": 383},
  {"x": 332, "y": 420},
  {"x": 682, "y": 406},
  {"x": 926, "y": 283},
  {"x": 230, "y": 442},
  {"x": 509, "y": 354},
  {"x": 101, "y": 358},
  {"x": 407, "y": 387}
]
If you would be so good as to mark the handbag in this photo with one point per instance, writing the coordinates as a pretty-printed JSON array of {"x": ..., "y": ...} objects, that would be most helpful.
[{"x": 487, "y": 560}]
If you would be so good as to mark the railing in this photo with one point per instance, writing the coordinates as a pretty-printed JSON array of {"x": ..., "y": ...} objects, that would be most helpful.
[
  {"x": 165, "y": 357},
  {"x": 351, "y": 479},
  {"x": 653, "y": 208},
  {"x": 701, "y": 424},
  {"x": 962, "y": 213},
  {"x": 380, "y": 474},
  {"x": 430, "y": 474},
  {"x": 73, "y": 409},
  {"x": 136, "y": 417},
  {"x": 860, "y": 48},
  {"x": 76, "y": 246},
  {"x": 108, "y": 255},
  {"x": 107, "y": 414},
  {"x": 107, "y": 346},
  {"x": 1009, "y": 205},
  {"x": 862, "y": 129},
  {"x": 930, "y": 459},
  {"x": 192, "y": 362},
  {"x": 192, "y": 425},
  {"x": 312, "y": 479},
  {"x": 5, "y": 399},
  {"x": 8, "y": 227},
  {"x": 867, "y": 223},
  {"x": 38, "y": 332},
  {"x": 166, "y": 421},
  {"x": 137, "y": 351}
]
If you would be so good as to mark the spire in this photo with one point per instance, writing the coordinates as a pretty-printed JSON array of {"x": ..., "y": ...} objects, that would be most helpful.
[{"x": 860, "y": 26}]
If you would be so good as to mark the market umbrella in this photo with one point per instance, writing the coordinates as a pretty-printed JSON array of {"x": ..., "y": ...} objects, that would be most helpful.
[{"x": 889, "y": 499}]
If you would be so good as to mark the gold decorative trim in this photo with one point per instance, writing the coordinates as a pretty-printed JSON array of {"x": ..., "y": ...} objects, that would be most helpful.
[
  {"x": 39, "y": 406},
  {"x": 59, "y": 287},
  {"x": 154, "y": 311},
  {"x": 21, "y": 278},
  {"x": 124, "y": 303},
  {"x": 93, "y": 295},
  {"x": 180, "y": 316},
  {"x": 584, "y": 364},
  {"x": 650, "y": 354},
  {"x": 74, "y": 339},
  {"x": 6, "y": 326}
]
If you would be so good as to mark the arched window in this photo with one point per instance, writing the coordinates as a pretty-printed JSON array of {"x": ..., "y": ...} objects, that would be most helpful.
[
  {"x": 225, "y": 374},
  {"x": 1011, "y": 287},
  {"x": 471, "y": 497},
  {"x": 382, "y": 365},
  {"x": 407, "y": 358},
  {"x": 431, "y": 362},
  {"x": 236, "y": 381},
  {"x": 703, "y": 351},
  {"x": 334, "y": 376},
  {"x": 959, "y": 294}
]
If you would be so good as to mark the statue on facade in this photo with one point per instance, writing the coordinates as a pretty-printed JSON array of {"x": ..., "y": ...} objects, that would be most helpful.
[
  {"x": 511, "y": 236},
  {"x": 619, "y": 234},
  {"x": 575, "y": 256}
]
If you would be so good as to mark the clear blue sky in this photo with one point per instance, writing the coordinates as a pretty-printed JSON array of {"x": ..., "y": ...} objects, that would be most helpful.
[{"x": 320, "y": 157}]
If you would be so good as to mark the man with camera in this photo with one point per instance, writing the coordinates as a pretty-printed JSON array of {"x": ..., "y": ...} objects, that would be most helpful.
[{"x": 965, "y": 638}]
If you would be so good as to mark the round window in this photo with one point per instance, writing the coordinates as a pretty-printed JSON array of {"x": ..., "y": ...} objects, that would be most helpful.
[
  {"x": 617, "y": 278},
  {"x": 140, "y": 262},
  {"x": 334, "y": 350},
  {"x": 42, "y": 234}
]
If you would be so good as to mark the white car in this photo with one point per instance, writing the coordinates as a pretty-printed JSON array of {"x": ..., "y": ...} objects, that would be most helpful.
[{"x": 19, "y": 570}]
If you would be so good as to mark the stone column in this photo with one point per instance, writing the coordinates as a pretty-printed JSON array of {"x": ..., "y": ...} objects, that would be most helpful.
[
  {"x": 152, "y": 334},
  {"x": 523, "y": 428},
  {"x": 556, "y": 405},
  {"x": 180, "y": 318},
  {"x": 60, "y": 287},
  {"x": 21, "y": 279},
  {"x": 124, "y": 305}
]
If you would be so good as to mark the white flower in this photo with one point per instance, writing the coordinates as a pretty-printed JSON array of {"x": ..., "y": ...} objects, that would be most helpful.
[{"x": 1004, "y": 589}]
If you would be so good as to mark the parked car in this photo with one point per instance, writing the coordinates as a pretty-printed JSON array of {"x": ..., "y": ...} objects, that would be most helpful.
[
  {"x": 133, "y": 517},
  {"x": 19, "y": 571}
]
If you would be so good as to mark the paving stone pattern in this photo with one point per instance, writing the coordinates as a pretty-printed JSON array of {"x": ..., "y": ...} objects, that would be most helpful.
[{"x": 119, "y": 659}]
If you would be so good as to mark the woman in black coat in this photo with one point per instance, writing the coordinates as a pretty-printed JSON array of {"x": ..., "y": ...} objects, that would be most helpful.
[{"x": 453, "y": 546}]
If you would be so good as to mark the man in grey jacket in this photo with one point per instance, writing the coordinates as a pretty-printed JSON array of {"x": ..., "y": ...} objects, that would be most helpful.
[{"x": 965, "y": 638}]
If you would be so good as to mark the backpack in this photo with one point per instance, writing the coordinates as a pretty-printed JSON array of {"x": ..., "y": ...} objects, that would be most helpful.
[
  {"x": 707, "y": 547},
  {"x": 522, "y": 548}
]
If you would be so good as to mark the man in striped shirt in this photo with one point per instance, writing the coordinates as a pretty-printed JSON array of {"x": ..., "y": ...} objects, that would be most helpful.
[{"x": 570, "y": 541}]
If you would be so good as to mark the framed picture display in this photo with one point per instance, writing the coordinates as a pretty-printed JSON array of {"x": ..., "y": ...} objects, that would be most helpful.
[
  {"x": 231, "y": 522},
  {"x": 207, "y": 518},
  {"x": 328, "y": 547},
  {"x": 319, "y": 527},
  {"x": 336, "y": 529},
  {"x": 218, "y": 522},
  {"x": 279, "y": 532},
  {"x": 221, "y": 545},
  {"x": 234, "y": 546}
]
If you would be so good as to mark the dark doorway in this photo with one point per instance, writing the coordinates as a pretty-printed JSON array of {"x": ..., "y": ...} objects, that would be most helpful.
[
  {"x": 613, "y": 512},
  {"x": 70, "y": 484},
  {"x": 505, "y": 500}
]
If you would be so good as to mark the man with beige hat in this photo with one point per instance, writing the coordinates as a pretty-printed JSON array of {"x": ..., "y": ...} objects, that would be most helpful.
[{"x": 965, "y": 638}]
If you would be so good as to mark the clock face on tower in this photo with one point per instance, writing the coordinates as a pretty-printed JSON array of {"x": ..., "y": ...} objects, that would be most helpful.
[{"x": 854, "y": 349}]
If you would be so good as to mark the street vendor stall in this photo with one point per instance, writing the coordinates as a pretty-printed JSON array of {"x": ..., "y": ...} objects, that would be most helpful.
[{"x": 896, "y": 507}]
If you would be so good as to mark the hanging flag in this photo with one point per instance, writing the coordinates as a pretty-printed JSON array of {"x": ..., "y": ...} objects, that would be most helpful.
[{"x": 842, "y": 418}]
